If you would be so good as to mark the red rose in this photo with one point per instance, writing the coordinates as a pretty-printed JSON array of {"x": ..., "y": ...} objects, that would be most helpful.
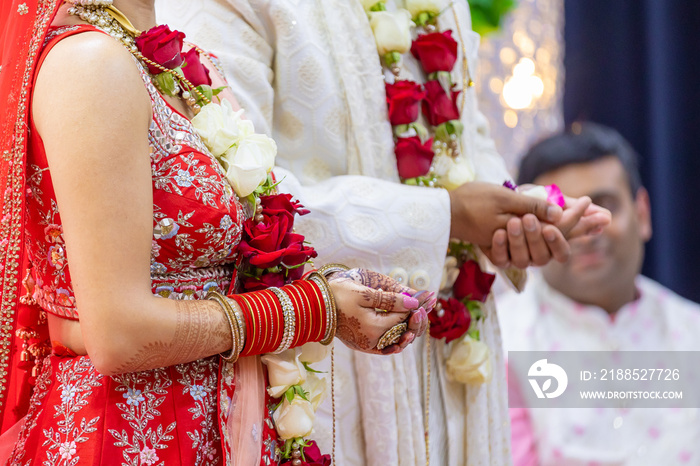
[
  {"x": 263, "y": 240},
  {"x": 260, "y": 283},
  {"x": 454, "y": 322},
  {"x": 313, "y": 456},
  {"x": 163, "y": 46},
  {"x": 194, "y": 71},
  {"x": 295, "y": 252},
  {"x": 403, "y": 98},
  {"x": 271, "y": 243},
  {"x": 436, "y": 51},
  {"x": 472, "y": 283},
  {"x": 438, "y": 107},
  {"x": 412, "y": 157},
  {"x": 282, "y": 202}
]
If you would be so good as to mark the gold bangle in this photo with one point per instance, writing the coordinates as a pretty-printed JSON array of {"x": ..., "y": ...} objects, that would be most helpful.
[
  {"x": 331, "y": 310},
  {"x": 332, "y": 268},
  {"x": 238, "y": 314},
  {"x": 233, "y": 324}
]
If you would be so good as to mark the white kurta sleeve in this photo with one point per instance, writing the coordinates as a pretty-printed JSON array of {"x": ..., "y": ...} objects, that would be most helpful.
[{"x": 395, "y": 229}]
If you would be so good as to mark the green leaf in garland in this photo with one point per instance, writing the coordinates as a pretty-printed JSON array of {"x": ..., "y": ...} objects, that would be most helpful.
[
  {"x": 289, "y": 394},
  {"x": 287, "y": 448},
  {"x": 310, "y": 369},
  {"x": 487, "y": 15},
  {"x": 392, "y": 57},
  {"x": 166, "y": 83},
  {"x": 420, "y": 130},
  {"x": 424, "y": 17},
  {"x": 379, "y": 6},
  {"x": 206, "y": 91},
  {"x": 444, "y": 131}
]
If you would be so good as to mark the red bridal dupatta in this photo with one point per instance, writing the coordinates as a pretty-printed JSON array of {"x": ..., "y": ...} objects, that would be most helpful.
[{"x": 24, "y": 24}]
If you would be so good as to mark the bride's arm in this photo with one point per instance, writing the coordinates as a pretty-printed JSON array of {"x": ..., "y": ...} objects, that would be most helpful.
[{"x": 93, "y": 112}]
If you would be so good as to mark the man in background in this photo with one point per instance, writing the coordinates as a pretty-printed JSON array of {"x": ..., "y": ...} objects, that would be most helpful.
[{"x": 598, "y": 301}]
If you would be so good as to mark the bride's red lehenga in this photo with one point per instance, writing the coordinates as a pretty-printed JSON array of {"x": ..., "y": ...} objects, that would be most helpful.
[{"x": 172, "y": 415}]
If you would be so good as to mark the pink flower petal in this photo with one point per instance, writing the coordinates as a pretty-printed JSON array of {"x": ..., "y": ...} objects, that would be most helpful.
[{"x": 554, "y": 195}]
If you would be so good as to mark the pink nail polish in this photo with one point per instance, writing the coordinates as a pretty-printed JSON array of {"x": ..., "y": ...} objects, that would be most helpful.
[{"x": 409, "y": 302}]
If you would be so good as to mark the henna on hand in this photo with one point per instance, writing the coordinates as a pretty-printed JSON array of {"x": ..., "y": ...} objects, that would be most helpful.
[
  {"x": 200, "y": 326},
  {"x": 366, "y": 314},
  {"x": 372, "y": 279},
  {"x": 350, "y": 331}
]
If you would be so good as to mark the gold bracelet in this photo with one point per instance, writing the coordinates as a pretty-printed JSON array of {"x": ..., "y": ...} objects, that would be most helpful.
[
  {"x": 329, "y": 301},
  {"x": 238, "y": 314},
  {"x": 233, "y": 323},
  {"x": 332, "y": 268},
  {"x": 289, "y": 319}
]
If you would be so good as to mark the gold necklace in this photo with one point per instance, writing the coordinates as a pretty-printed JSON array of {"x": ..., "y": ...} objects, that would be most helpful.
[{"x": 117, "y": 25}]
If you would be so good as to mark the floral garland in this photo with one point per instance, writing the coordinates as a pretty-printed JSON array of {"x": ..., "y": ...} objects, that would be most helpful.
[
  {"x": 432, "y": 157},
  {"x": 275, "y": 255}
]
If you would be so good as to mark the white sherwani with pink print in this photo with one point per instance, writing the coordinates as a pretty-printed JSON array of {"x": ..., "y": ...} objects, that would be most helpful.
[{"x": 308, "y": 73}]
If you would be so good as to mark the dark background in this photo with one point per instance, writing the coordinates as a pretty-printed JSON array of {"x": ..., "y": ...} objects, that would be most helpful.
[{"x": 635, "y": 65}]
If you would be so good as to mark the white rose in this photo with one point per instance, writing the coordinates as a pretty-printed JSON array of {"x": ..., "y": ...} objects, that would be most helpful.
[
  {"x": 313, "y": 352},
  {"x": 392, "y": 30},
  {"x": 449, "y": 274},
  {"x": 295, "y": 419},
  {"x": 442, "y": 164},
  {"x": 453, "y": 173},
  {"x": 249, "y": 162},
  {"x": 469, "y": 362},
  {"x": 416, "y": 7},
  {"x": 220, "y": 127},
  {"x": 316, "y": 388},
  {"x": 284, "y": 370}
]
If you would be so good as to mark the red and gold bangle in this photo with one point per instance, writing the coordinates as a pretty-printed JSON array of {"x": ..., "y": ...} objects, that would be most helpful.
[
  {"x": 329, "y": 302},
  {"x": 301, "y": 324},
  {"x": 252, "y": 324},
  {"x": 276, "y": 315},
  {"x": 313, "y": 293},
  {"x": 263, "y": 324}
]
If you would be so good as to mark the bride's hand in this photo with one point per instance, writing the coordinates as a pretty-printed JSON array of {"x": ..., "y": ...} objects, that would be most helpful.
[{"x": 369, "y": 304}]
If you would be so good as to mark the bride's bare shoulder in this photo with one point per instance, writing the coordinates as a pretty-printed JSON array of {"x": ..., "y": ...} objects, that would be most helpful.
[{"x": 85, "y": 70}]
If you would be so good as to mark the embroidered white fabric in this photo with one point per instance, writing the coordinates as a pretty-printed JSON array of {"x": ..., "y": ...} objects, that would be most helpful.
[{"x": 307, "y": 73}]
